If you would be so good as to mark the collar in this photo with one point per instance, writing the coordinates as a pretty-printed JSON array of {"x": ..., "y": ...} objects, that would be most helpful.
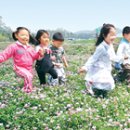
[
  {"x": 124, "y": 40},
  {"x": 54, "y": 46},
  {"x": 24, "y": 46},
  {"x": 105, "y": 45},
  {"x": 45, "y": 47}
]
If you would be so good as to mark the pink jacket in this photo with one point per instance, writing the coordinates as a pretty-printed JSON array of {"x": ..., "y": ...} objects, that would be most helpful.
[{"x": 22, "y": 56}]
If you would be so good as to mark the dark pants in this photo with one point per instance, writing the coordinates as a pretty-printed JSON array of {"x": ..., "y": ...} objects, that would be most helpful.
[
  {"x": 126, "y": 73},
  {"x": 42, "y": 75},
  {"x": 123, "y": 74},
  {"x": 100, "y": 93}
]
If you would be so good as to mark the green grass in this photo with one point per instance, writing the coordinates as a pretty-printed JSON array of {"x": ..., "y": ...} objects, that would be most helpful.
[{"x": 61, "y": 108}]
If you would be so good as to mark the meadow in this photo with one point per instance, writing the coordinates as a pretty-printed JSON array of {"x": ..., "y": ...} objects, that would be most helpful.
[{"x": 61, "y": 108}]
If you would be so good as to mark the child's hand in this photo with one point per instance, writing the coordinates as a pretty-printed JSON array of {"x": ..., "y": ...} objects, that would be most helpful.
[
  {"x": 65, "y": 61},
  {"x": 81, "y": 70},
  {"x": 41, "y": 51},
  {"x": 58, "y": 65},
  {"x": 48, "y": 51},
  {"x": 53, "y": 58},
  {"x": 126, "y": 57},
  {"x": 66, "y": 65}
]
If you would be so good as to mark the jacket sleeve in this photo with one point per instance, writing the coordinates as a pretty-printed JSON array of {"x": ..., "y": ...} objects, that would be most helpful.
[
  {"x": 7, "y": 53},
  {"x": 120, "y": 53},
  {"x": 95, "y": 57}
]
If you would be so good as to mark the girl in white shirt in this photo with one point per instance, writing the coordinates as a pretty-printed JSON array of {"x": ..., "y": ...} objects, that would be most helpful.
[{"x": 99, "y": 65}]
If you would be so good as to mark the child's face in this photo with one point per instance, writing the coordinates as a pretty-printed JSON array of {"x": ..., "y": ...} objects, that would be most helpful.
[
  {"x": 111, "y": 36},
  {"x": 57, "y": 43},
  {"x": 127, "y": 37},
  {"x": 44, "y": 39},
  {"x": 23, "y": 36}
]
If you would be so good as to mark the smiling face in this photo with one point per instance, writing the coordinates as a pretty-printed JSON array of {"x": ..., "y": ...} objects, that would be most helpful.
[
  {"x": 44, "y": 39},
  {"x": 23, "y": 36},
  {"x": 111, "y": 36}
]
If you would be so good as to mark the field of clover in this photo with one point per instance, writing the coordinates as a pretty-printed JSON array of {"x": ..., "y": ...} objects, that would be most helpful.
[{"x": 61, "y": 108}]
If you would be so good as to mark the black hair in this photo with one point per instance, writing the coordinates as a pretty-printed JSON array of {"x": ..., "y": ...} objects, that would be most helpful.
[
  {"x": 17, "y": 31},
  {"x": 58, "y": 36},
  {"x": 31, "y": 39},
  {"x": 126, "y": 30},
  {"x": 39, "y": 34},
  {"x": 104, "y": 32}
]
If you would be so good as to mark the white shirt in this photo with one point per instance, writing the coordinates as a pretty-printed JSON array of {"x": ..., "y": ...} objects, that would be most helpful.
[
  {"x": 40, "y": 47},
  {"x": 99, "y": 65},
  {"x": 102, "y": 57},
  {"x": 122, "y": 52}
]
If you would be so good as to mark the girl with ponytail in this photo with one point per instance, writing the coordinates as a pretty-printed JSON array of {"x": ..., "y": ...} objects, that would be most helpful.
[
  {"x": 23, "y": 55},
  {"x": 99, "y": 66}
]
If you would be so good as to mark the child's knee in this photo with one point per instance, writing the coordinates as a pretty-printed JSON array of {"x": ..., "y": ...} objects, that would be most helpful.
[
  {"x": 28, "y": 76},
  {"x": 55, "y": 76}
]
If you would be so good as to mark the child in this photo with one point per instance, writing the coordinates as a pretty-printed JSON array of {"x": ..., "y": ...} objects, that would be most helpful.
[
  {"x": 59, "y": 54},
  {"x": 45, "y": 64},
  {"x": 23, "y": 56},
  {"x": 99, "y": 66},
  {"x": 123, "y": 55}
]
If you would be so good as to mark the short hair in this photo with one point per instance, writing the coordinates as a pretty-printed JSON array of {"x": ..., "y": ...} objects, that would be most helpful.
[
  {"x": 126, "y": 30},
  {"x": 58, "y": 36}
]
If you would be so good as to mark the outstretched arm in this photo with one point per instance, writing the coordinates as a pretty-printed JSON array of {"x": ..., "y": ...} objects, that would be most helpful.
[
  {"x": 7, "y": 53},
  {"x": 65, "y": 61}
]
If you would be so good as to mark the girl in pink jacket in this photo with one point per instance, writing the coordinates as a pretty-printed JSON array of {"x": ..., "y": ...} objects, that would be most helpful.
[{"x": 23, "y": 56}]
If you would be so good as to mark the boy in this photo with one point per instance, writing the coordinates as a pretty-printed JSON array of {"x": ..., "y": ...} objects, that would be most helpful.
[
  {"x": 123, "y": 55},
  {"x": 59, "y": 59}
]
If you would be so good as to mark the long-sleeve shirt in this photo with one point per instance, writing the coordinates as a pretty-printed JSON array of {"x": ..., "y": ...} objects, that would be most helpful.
[
  {"x": 102, "y": 57},
  {"x": 123, "y": 51},
  {"x": 99, "y": 65},
  {"x": 23, "y": 55}
]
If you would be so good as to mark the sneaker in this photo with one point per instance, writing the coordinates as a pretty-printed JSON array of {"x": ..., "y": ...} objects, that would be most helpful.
[
  {"x": 43, "y": 85},
  {"x": 90, "y": 91},
  {"x": 54, "y": 82},
  {"x": 49, "y": 79},
  {"x": 62, "y": 81}
]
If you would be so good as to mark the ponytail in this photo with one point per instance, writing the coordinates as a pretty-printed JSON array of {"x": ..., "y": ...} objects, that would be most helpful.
[{"x": 103, "y": 33}]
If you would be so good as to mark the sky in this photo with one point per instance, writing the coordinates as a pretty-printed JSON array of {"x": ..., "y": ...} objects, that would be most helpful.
[{"x": 72, "y": 15}]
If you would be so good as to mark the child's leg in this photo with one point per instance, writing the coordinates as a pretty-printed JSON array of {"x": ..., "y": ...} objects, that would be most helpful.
[
  {"x": 126, "y": 73},
  {"x": 89, "y": 86},
  {"x": 27, "y": 76},
  {"x": 61, "y": 75},
  {"x": 42, "y": 77},
  {"x": 54, "y": 79},
  {"x": 53, "y": 73}
]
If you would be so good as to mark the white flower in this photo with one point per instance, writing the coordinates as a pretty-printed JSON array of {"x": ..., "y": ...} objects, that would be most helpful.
[
  {"x": 3, "y": 105},
  {"x": 69, "y": 106},
  {"x": 34, "y": 108},
  {"x": 19, "y": 112},
  {"x": 42, "y": 96},
  {"x": 1, "y": 124},
  {"x": 79, "y": 109},
  {"x": 27, "y": 105}
]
